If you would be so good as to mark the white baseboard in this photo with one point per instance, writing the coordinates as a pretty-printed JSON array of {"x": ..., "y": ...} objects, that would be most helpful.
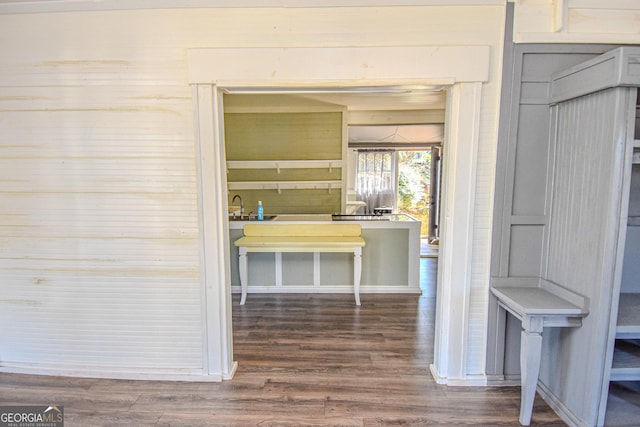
[
  {"x": 231, "y": 373},
  {"x": 310, "y": 289},
  {"x": 469, "y": 381},
  {"x": 145, "y": 374},
  {"x": 436, "y": 375}
]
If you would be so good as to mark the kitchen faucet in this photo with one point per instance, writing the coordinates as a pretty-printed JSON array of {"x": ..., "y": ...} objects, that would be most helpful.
[{"x": 241, "y": 203}]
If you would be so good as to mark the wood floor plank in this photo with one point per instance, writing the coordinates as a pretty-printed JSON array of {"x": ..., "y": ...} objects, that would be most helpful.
[
  {"x": 209, "y": 420},
  {"x": 303, "y": 360},
  {"x": 115, "y": 418}
]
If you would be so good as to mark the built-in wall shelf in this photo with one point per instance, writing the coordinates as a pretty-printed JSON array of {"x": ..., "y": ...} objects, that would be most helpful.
[
  {"x": 626, "y": 355},
  {"x": 285, "y": 185},
  {"x": 628, "y": 325},
  {"x": 626, "y": 361},
  {"x": 284, "y": 164}
]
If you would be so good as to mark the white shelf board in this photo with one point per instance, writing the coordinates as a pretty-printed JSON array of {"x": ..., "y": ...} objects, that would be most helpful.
[
  {"x": 628, "y": 325},
  {"x": 626, "y": 362},
  {"x": 285, "y": 185},
  {"x": 284, "y": 164}
]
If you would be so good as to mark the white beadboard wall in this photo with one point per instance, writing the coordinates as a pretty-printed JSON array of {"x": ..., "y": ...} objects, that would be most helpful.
[
  {"x": 99, "y": 252},
  {"x": 99, "y": 242}
]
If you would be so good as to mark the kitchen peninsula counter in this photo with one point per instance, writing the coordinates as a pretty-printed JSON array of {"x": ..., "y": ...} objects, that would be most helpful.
[{"x": 390, "y": 259}]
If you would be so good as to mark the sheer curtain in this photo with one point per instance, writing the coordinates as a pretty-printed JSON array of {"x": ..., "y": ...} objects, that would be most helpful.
[{"x": 376, "y": 178}]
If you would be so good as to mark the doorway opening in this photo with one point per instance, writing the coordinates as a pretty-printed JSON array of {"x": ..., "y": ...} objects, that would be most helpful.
[
  {"x": 419, "y": 188},
  {"x": 397, "y": 170},
  {"x": 462, "y": 69}
]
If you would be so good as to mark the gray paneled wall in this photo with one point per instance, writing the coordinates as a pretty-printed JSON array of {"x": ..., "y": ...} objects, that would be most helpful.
[
  {"x": 521, "y": 211},
  {"x": 524, "y": 159}
]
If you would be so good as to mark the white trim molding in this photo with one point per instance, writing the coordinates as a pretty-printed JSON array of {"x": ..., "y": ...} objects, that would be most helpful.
[
  {"x": 214, "y": 233},
  {"x": 338, "y": 67},
  {"x": 457, "y": 217},
  {"x": 44, "y": 6},
  {"x": 119, "y": 373}
]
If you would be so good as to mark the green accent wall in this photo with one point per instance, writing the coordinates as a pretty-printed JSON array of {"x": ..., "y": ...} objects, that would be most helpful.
[
  {"x": 290, "y": 201},
  {"x": 311, "y": 174},
  {"x": 285, "y": 136}
]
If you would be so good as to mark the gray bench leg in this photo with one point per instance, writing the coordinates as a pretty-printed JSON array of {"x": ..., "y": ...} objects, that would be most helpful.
[
  {"x": 244, "y": 273},
  {"x": 357, "y": 273},
  {"x": 530, "y": 353}
]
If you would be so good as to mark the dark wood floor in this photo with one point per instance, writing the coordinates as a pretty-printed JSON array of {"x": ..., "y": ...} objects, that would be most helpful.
[{"x": 304, "y": 360}]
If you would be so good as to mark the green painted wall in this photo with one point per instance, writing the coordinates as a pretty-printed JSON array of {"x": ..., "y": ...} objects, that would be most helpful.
[
  {"x": 285, "y": 136},
  {"x": 290, "y": 201}
]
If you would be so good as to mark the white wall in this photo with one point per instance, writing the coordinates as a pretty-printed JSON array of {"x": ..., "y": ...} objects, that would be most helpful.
[
  {"x": 576, "y": 21},
  {"x": 99, "y": 226},
  {"x": 99, "y": 235}
]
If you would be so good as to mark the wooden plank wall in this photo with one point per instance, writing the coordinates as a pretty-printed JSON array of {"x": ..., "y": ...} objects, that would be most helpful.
[{"x": 99, "y": 253}]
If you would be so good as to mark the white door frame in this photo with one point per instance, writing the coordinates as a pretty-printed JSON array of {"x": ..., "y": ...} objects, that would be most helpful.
[{"x": 461, "y": 68}]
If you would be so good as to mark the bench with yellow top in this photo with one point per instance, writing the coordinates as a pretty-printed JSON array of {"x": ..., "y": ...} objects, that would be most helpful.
[{"x": 276, "y": 238}]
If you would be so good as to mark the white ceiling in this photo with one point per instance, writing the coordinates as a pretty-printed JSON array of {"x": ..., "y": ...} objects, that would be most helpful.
[
  {"x": 433, "y": 133},
  {"x": 384, "y": 102}
]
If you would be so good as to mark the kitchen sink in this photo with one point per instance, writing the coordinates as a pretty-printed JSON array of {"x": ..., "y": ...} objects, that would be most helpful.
[
  {"x": 340, "y": 217},
  {"x": 250, "y": 217}
]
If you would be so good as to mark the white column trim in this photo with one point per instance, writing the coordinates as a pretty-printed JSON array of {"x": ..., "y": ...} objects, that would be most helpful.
[
  {"x": 457, "y": 220},
  {"x": 214, "y": 234}
]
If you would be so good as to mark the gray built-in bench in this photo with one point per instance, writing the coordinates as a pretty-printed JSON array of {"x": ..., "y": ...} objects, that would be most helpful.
[{"x": 538, "y": 304}]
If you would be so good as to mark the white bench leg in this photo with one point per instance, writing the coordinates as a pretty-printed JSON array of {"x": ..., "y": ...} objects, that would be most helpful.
[
  {"x": 244, "y": 273},
  {"x": 357, "y": 273}
]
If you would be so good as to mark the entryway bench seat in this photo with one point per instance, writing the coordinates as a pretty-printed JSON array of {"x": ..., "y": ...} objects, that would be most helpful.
[
  {"x": 538, "y": 304},
  {"x": 270, "y": 237}
]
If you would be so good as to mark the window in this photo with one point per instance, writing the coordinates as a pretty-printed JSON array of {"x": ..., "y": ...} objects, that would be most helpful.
[
  {"x": 376, "y": 171},
  {"x": 376, "y": 179},
  {"x": 395, "y": 171}
]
